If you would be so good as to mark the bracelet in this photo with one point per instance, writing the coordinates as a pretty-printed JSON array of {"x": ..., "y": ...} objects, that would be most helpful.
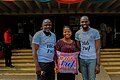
[{"x": 34, "y": 51}]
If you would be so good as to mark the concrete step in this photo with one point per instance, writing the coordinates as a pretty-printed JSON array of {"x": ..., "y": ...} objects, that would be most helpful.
[
  {"x": 21, "y": 54},
  {"x": 112, "y": 68},
  {"x": 17, "y": 74},
  {"x": 110, "y": 53},
  {"x": 22, "y": 51},
  {"x": 23, "y": 57},
  {"x": 22, "y": 64},
  {"x": 102, "y": 50},
  {"x": 110, "y": 63},
  {"x": 110, "y": 56},
  {"x": 110, "y": 50},
  {"x": 14, "y": 69},
  {"x": 113, "y": 73},
  {"x": 20, "y": 60},
  {"x": 110, "y": 59}
]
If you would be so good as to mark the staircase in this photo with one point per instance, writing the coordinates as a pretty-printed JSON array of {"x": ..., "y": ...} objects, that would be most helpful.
[
  {"x": 110, "y": 59},
  {"x": 25, "y": 69},
  {"x": 24, "y": 66}
]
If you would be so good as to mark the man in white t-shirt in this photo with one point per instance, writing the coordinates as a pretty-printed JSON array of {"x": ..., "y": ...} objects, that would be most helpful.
[
  {"x": 88, "y": 41},
  {"x": 43, "y": 51}
]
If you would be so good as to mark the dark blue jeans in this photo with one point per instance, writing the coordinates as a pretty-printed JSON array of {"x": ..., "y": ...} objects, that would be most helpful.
[{"x": 48, "y": 72}]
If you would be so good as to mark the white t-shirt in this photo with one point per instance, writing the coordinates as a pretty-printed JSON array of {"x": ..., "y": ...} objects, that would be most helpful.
[
  {"x": 46, "y": 46},
  {"x": 87, "y": 41}
]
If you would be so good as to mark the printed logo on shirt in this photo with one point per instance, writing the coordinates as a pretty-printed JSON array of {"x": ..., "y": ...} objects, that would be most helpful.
[
  {"x": 43, "y": 41},
  {"x": 50, "y": 48},
  {"x": 85, "y": 46}
]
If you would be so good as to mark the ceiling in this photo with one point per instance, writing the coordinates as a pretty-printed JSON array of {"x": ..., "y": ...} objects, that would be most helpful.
[{"x": 32, "y": 7}]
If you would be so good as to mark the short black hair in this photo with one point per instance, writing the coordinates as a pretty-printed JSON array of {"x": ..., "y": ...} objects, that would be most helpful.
[{"x": 67, "y": 26}]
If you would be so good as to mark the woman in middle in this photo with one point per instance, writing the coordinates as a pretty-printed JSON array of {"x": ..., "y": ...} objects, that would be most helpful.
[{"x": 67, "y": 45}]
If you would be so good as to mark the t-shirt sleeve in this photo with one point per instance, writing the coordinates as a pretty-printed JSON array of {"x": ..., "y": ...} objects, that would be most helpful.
[
  {"x": 36, "y": 38},
  {"x": 55, "y": 39},
  {"x": 77, "y": 36},
  {"x": 97, "y": 35},
  {"x": 58, "y": 45}
]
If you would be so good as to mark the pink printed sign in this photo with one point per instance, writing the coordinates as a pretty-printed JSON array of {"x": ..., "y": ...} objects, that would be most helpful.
[{"x": 67, "y": 62}]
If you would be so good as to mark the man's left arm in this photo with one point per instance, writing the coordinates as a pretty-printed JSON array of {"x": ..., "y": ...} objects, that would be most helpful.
[{"x": 97, "y": 42}]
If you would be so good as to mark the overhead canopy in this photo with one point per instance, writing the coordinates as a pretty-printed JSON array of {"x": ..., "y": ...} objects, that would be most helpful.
[
  {"x": 26, "y": 7},
  {"x": 43, "y": 0},
  {"x": 69, "y": 1}
]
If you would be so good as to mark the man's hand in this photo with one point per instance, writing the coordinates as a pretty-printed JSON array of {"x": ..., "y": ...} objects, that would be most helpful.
[
  {"x": 38, "y": 70},
  {"x": 97, "y": 69}
]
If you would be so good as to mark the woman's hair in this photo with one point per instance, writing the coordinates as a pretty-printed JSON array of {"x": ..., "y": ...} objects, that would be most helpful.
[{"x": 66, "y": 26}]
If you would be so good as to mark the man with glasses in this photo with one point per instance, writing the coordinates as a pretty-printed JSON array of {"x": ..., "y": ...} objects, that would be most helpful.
[
  {"x": 88, "y": 41},
  {"x": 43, "y": 51}
]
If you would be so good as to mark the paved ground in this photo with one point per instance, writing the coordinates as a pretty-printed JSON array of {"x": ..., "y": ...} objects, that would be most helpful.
[
  {"x": 102, "y": 76},
  {"x": 115, "y": 77},
  {"x": 17, "y": 77}
]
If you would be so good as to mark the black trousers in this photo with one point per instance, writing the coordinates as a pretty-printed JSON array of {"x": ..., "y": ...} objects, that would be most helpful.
[
  {"x": 8, "y": 55},
  {"x": 48, "y": 72},
  {"x": 65, "y": 76}
]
